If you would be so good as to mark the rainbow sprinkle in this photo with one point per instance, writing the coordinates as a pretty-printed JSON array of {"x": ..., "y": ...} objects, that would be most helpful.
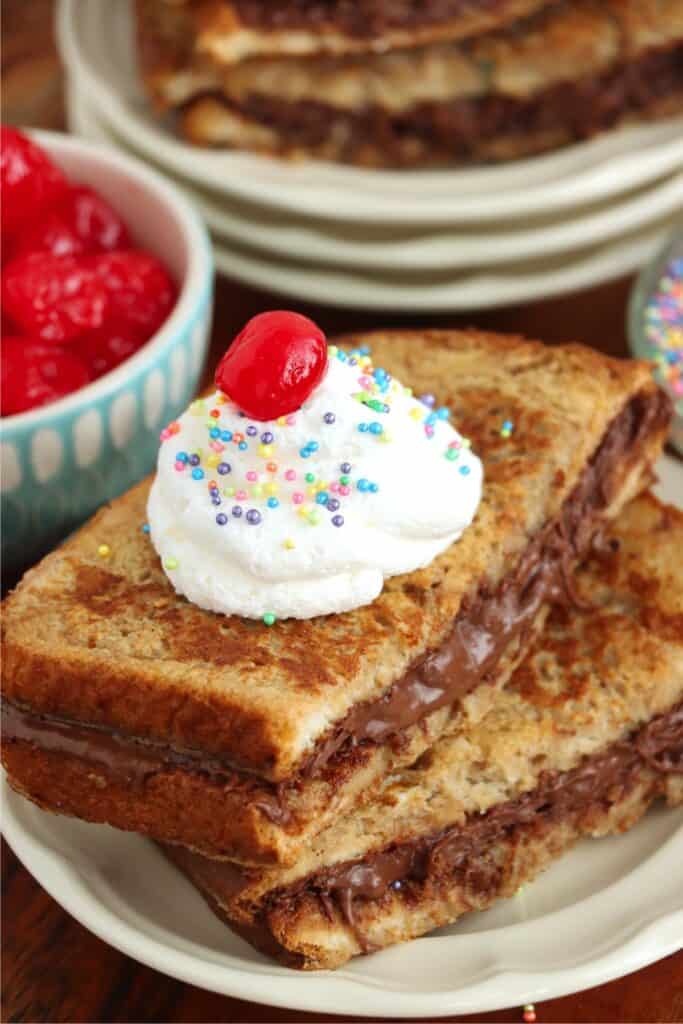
[
  {"x": 377, "y": 389},
  {"x": 664, "y": 331}
]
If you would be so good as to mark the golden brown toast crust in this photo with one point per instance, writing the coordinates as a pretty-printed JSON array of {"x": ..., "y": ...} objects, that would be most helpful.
[
  {"x": 118, "y": 648},
  {"x": 204, "y": 812},
  {"x": 567, "y": 45}
]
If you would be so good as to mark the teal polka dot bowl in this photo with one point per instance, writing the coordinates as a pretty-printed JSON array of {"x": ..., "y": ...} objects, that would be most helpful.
[{"x": 61, "y": 462}]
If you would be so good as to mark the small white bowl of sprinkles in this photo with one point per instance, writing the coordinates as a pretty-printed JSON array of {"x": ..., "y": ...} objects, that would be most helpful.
[{"x": 655, "y": 324}]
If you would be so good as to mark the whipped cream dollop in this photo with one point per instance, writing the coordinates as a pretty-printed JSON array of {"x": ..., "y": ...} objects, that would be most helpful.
[{"x": 310, "y": 513}]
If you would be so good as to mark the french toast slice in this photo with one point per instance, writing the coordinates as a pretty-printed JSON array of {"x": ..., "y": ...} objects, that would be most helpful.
[
  {"x": 588, "y": 732},
  {"x": 136, "y": 708}
]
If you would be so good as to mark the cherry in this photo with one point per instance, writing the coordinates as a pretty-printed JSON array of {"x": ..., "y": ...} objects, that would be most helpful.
[
  {"x": 54, "y": 298},
  {"x": 273, "y": 364},
  {"x": 63, "y": 298},
  {"x": 28, "y": 178},
  {"x": 34, "y": 374},
  {"x": 80, "y": 221},
  {"x": 6, "y": 325},
  {"x": 103, "y": 350},
  {"x": 140, "y": 291}
]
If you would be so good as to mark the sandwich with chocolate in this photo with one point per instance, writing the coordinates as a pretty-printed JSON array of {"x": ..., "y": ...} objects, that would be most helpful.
[
  {"x": 324, "y": 578},
  {"x": 588, "y": 732},
  {"x": 405, "y": 84}
]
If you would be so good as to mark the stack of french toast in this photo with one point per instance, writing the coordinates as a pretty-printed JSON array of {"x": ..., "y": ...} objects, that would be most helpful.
[
  {"x": 338, "y": 784},
  {"x": 410, "y": 83}
]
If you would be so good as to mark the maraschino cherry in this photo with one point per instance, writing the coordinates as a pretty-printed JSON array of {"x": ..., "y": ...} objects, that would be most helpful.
[{"x": 273, "y": 364}]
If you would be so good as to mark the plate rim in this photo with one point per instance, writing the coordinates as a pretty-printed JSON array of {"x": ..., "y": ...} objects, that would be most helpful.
[
  {"x": 495, "y": 988},
  {"x": 303, "y": 240},
  {"x": 646, "y": 942},
  {"x": 482, "y": 289}
]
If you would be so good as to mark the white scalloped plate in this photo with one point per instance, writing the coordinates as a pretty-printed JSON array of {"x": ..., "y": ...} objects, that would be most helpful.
[
  {"x": 483, "y": 288},
  {"x": 408, "y": 250},
  {"x": 607, "y": 908},
  {"x": 95, "y": 38}
]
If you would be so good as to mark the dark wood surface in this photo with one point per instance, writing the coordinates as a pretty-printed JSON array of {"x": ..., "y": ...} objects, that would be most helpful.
[{"x": 53, "y": 969}]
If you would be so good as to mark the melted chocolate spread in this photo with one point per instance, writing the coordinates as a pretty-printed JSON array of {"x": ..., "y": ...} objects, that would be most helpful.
[
  {"x": 125, "y": 758},
  {"x": 599, "y": 779},
  {"x": 455, "y": 129},
  {"x": 461, "y": 850},
  {"x": 482, "y": 630},
  {"x": 658, "y": 745}
]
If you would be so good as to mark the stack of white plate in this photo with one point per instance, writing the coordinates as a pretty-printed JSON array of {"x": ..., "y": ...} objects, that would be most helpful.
[{"x": 440, "y": 240}]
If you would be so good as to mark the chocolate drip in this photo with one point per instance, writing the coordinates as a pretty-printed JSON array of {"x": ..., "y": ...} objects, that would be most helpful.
[{"x": 486, "y": 624}]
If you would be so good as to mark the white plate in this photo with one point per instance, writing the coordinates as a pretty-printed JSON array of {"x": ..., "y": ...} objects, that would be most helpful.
[
  {"x": 431, "y": 292},
  {"x": 487, "y": 288},
  {"x": 453, "y": 250},
  {"x": 95, "y": 39},
  {"x": 607, "y": 908},
  {"x": 403, "y": 251}
]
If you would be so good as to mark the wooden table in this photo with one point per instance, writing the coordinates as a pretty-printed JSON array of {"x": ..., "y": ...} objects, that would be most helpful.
[{"x": 53, "y": 969}]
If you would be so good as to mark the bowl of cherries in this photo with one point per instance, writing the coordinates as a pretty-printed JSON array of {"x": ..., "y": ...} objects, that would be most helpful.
[{"x": 107, "y": 298}]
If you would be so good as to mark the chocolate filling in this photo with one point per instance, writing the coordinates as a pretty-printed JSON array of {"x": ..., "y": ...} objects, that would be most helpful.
[
  {"x": 461, "y": 851},
  {"x": 360, "y": 18},
  {"x": 485, "y": 625},
  {"x": 457, "y": 128},
  {"x": 658, "y": 746},
  {"x": 127, "y": 759}
]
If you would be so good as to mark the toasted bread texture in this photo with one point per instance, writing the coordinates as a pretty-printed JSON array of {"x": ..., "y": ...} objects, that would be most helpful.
[
  {"x": 592, "y": 683},
  {"x": 119, "y": 650}
]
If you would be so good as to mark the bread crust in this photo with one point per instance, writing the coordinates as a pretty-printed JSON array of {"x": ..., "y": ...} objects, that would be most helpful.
[
  {"x": 212, "y": 121},
  {"x": 211, "y": 817},
  {"x": 567, "y": 44}
]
